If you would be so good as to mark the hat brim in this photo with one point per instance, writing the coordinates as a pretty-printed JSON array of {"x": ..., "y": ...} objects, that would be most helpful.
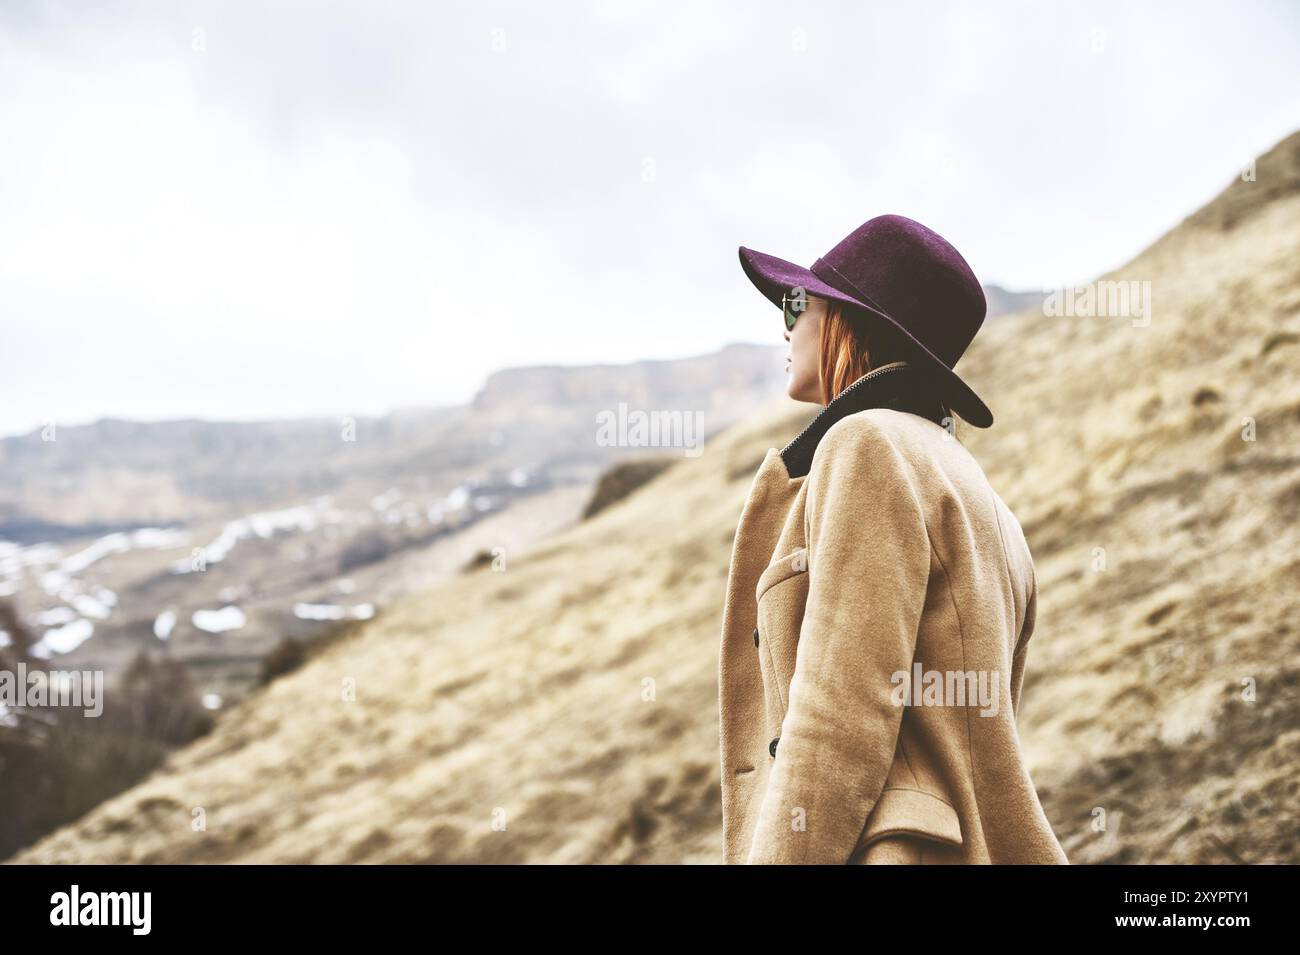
[{"x": 774, "y": 277}]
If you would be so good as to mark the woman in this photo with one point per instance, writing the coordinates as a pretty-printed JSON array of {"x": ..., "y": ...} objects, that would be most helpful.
[{"x": 881, "y": 595}]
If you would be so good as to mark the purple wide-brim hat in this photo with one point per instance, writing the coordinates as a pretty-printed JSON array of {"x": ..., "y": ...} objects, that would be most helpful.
[{"x": 906, "y": 275}]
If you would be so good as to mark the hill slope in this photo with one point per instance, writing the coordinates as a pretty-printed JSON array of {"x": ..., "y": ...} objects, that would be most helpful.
[{"x": 565, "y": 709}]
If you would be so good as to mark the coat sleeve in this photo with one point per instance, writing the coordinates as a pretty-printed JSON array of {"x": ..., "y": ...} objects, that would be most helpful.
[{"x": 868, "y": 570}]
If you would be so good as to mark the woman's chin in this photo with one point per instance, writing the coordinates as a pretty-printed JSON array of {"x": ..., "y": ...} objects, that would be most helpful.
[{"x": 802, "y": 390}]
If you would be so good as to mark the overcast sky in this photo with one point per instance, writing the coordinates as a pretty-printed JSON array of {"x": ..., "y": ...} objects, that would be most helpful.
[{"x": 232, "y": 211}]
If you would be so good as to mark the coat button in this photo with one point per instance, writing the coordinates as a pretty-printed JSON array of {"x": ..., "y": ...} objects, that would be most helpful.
[
  {"x": 756, "y": 636},
  {"x": 771, "y": 747}
]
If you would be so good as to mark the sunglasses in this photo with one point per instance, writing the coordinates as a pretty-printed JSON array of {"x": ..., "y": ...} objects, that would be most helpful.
[{"x": 792, "y": 306}]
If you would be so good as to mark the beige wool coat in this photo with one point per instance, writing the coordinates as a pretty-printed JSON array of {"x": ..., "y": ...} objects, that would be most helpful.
[{"x": 879, "y": 606}]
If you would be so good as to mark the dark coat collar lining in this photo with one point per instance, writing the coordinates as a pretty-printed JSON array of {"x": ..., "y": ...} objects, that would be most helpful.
[{"x": 897, "y": 385}]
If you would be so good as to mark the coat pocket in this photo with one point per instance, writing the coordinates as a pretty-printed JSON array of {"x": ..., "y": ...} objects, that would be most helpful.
[
  {"x": 909, "y": 812},
  {"x": 795, "y": 562},
  {"x": 781, "y": 591}
]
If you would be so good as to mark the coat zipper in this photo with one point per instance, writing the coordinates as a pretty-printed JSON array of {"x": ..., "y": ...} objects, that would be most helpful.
[{"x": 894, "y": 366}]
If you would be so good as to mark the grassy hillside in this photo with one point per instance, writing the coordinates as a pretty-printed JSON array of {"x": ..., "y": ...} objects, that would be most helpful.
[
  {"x": 564, "y": 708},
  {"x": 1165, "y": 686}
]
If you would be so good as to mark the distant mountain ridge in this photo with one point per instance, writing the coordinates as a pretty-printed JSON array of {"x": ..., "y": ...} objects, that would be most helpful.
[
  {"x": 115, "y": 474},
  {"x": 1003, "y": 302},
  {"x": 701, "y": 382}
]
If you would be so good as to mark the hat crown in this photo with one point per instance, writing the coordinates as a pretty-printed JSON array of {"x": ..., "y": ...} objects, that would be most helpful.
[{"x": 914, "y": 274}]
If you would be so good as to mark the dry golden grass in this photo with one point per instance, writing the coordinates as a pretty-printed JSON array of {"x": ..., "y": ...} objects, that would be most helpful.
[{"x": 565, "y": 709}]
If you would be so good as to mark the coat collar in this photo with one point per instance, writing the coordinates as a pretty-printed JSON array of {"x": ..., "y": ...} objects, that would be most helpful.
[{"x": 897, "y": 385}]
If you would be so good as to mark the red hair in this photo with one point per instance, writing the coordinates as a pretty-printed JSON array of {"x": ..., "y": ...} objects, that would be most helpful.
[{"x": 852, "y": 345}]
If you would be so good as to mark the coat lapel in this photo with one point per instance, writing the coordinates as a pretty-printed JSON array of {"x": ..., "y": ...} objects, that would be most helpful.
[{"x": 897, "y": 385}]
